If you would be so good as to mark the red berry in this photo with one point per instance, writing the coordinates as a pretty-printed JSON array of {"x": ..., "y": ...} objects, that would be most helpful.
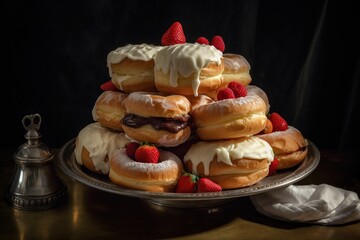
[
  {"x": 225, "y": 93},
  {"x": 218, "y": 42},
  {"x": 273, "y": 166},
  {"x": 207, "y": 185},
  {"x": 238, "y": 89},
  {"x": 108, "y": 86},
  {"x": 278, "y": 122},
  {"x": 202, "y": 40},
  {"x": 174, "y": 35},
  {"x": 131, "y": 149},
  {"x": 147, "y": 154},
  {"x": 187, "y": 183}
]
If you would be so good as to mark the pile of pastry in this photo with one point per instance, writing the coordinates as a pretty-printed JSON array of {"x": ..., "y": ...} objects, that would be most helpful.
[{"x": 180, "y": 112}]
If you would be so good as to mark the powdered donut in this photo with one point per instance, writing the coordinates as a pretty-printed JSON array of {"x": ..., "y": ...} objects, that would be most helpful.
[
  {"x": 154, "y": 177},
  {"x": 230, "y": 118},
  {"x": 289, "y": 146}
]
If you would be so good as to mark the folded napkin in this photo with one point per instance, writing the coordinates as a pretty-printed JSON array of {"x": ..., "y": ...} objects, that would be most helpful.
[{"x": 316, "y": 204}]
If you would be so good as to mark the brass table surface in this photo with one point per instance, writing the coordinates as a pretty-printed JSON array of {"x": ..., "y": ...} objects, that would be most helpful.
[{"x": 93, "y": 214}]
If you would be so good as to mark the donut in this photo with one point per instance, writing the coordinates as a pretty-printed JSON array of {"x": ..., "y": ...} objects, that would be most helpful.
[
  {"x": 289, "y": 146},
  {"x": 131, "y": 67},
  {"x": 199, "y": 100},
  {"x": 231, "y": 163},
  {"x": 255, "y": 90},
  {"x": 157, "y": 118},
  {"x": 109, "y": 109},
  {"x": 188, "y": 69},
  {"x": 230, "y": 118},
  {"x": 154, "y": 177},
  {"x": 94, "y": 145},
  {"x": 236, "y": 68}
]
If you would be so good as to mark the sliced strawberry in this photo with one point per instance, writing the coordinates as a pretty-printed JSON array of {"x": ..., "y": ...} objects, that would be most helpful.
[
  {"x": 174, "y": 35},
  {"x": 218, "y": 42},
  {"x": 273, "y": 166},
  {"x": 147, "y": 154},
  {"x": 187, "y": 183},
  {"x": 108, "y": 86},
  {"x": 207, "y": 185},
  {"x": 202, "y": 40},
  {"x": 278, "y": 122},
  {"x": 238, "y": 89},
  {"x": 225, "y": 93},
  {"x": 131, "y": 149}
]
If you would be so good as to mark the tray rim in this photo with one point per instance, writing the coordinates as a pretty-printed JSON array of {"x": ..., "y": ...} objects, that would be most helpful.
[{"x": 66, "y": 162}]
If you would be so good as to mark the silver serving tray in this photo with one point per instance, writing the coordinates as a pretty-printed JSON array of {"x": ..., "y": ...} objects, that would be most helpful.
[{"x": 68, "y": 164}]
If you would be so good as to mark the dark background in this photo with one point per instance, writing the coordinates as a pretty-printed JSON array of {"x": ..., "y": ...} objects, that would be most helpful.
[{"x": 304, "y": 54}]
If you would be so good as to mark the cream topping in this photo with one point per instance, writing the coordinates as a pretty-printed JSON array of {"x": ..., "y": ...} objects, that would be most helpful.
[
  {"x": 226, "y": 151},
  {"x": 186, "y": 59},
  {"x": 100, "y": 142},
  {"x": 143, "y": 52}
]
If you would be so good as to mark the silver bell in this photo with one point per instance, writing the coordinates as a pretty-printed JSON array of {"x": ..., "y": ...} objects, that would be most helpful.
[{"x": 35, "y": 184}]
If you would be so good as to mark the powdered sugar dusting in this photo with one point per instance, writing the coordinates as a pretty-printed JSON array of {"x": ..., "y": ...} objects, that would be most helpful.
[{"x": 167, "y": 161}]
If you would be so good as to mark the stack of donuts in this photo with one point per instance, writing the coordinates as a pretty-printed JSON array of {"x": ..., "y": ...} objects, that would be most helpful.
[{"x": 167, "y": 96}]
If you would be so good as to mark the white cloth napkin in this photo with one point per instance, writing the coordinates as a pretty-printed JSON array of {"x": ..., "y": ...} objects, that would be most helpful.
[{"x": 316, "y": 204}]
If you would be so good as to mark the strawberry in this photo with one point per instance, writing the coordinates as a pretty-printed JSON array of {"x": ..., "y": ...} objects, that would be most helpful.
[
  {"x": 273, "y": 166},
  {"x": 225, "y": 93},
  {"x": 147, "y": 153},
  {"x": 238, "y": 89},
  {"x": 278, "y": 122},
  {"x": 131, "y": 149},
  {"x": 108, "y": 86},
  {"x": 207, "y": 185},
  {"x": 174, "y": 35},
  {"x": 268, "y": 128},
  {"x": 187, "y": 183},
  {"x": 202, "y": 40},
  {"x": 218, "y": 42}
]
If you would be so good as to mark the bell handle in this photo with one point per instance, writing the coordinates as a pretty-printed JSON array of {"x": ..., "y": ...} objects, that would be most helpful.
[{"x": 32, "y": 121}]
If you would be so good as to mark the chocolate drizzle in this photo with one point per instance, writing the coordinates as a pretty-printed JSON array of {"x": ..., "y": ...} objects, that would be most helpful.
[{"x": 173, "y": 125}]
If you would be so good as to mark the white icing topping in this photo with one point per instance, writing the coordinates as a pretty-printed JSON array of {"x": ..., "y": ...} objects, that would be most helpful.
[
  {"x": 186, "y": 59},
  {"x": 226, "y": 151},
  {"x": 100, "y": 142},
  {"x": 143, "y": 52}
]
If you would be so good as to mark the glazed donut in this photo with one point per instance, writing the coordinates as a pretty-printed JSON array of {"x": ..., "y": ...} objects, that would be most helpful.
[
  {"x": 199, "y": 100},
  {"x": 154, "y": 177},
  {"x": 109, "y": 109},
  {"x": 255, "y": 90},
  {"x": 232, "y": 163},
  {"x": 289, "y": 146},
  {"x": 131, "y": 67},
  {"x": 236, "y": 68},
  {"x": 157, "y": 118},
  {"x": 94, "y": 145},
  {"x": 188, "y": 69},
  {"x": 230, "y": 118}
]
